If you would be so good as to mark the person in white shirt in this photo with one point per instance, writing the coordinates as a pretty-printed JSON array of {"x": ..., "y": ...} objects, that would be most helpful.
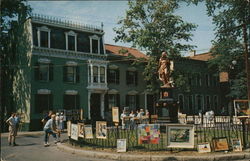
[
  {"x": 12, "y": 129},
  {"x": 50, "y": 128}
]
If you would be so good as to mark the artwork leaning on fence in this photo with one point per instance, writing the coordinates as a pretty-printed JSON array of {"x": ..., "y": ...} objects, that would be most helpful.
[
  {"x": 101, "y": 129},
  {"x": 81, "y": 130},
  {"x": 180, "y": 136},
  {"x": 68, "y": 128},
  {"x": 149, "y": 134},
  {"x": 74, "y": 131},
  {"x": 88, "y": 132}
]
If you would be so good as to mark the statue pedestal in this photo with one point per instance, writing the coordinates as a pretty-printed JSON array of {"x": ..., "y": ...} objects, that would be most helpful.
[{"x": 167, "y": 107}]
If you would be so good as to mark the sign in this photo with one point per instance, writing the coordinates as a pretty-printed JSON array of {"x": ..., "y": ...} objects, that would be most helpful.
[
  {"x": 115, "y": 114},
  {"x": 121, "y": 145}
]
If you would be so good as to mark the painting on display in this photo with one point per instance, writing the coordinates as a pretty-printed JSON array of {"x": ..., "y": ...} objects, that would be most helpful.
[
  {"x": 220, "y": 144},
  {"x": 180, "y": 136},
  {"x": 115, "y": 114},
  {"x": 149, "y": 134},
  {"x": 236, "y": 144},
  {"x": 74, "y": 132},
  {"x": 88, "y": 132},
  {"x": 204, "y": 148},
  {"x": 121, "y": 145},
  {"x": 68, "y": 127},
  {"x": 81, "y": 130},
  {"x": 101, "y": 129}
]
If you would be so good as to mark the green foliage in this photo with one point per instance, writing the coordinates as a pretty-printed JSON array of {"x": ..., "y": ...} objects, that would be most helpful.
[
  {"x": 228, "y": 16},
  {"x": 153, "y": 27},
  {"x": 14, "y": 45}
]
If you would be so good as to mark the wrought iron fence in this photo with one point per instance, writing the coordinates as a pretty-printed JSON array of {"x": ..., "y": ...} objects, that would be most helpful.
[{"x": 205, "y": 130}]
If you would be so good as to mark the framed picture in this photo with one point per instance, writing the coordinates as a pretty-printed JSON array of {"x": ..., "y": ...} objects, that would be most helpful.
[
  {"x": 180, "y": 136},
  {"x": 236, "y": 144},
  {"x": 148, "y": 133},
  {"x": 101, "y": 129},
  {"x": 121, "y": 145},
  {"x": 204, "y": 148},
  {"x": 220, "y": 144},
  {"x": 81, "y": 130},
  {"x": 69, "y": 127},
  {"x": 74, "y": 131},
  {"x": 88, "y": 132},
  {"x": 115, "y": 114}
]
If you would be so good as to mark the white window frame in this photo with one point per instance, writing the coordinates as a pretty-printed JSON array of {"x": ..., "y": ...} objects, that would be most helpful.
[
  {"x": 44, "y": 29},
  {"x": 94, "y": 37},
  {"x": 70, "y": 33}
]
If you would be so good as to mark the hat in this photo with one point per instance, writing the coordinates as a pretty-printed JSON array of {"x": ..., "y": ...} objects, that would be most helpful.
[{"x": 57, "y": 114}]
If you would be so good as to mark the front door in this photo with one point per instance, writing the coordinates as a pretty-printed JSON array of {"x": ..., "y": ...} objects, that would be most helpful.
[{"x": 95, "y": 107}]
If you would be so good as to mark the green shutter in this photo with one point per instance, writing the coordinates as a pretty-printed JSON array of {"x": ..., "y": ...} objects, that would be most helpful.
[
  {"x": 64, "y": 73},
  {"x": 77, "y": 101},
  {"x": 117, "y": 76},
  {"x": 51, "y": 102},
  {"x": 136, "y": 78},
  {"x": 137, "y": 102},
  {"x": 106, "y": 103},
  {"x": 127, "y": 80},
  {"x": 77, "y": 74},
  {"x": 51, "y": 70},
  {"x": 127, "y": 97},
  {"x": 36, "y": 71},
  {"x": 118, "y": 100}
]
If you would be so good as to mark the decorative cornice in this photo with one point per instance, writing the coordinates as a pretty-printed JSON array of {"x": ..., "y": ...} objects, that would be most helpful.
[
  {"x": 64, "y": 23},
  {"x": 66, "y": 54}
]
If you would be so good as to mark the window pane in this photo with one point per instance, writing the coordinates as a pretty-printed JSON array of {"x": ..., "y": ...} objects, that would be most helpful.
[
  {"x": 131, "y": 77},
  {"x": 94, "y": 46},
  {"x": 44, "y": 72},
  {"x": 71, "y": 42},
  {"x": 42, "y": 102},
  {"x": 71, "y": 73},
  {"x": 102, "y": 74},
  {"x": 132, "y": 102},
  {"x": 95, "y": 74},
  {"x": 44, "y": 39},
  {"x": 70, "y": 102},
  {"x": 112, "y": 101}
]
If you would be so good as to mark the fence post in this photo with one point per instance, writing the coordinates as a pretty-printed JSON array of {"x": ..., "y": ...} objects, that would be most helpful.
[{"x": 244, "y": 132}]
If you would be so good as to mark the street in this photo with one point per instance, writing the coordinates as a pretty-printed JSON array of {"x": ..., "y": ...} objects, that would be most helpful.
[{"x": 31, "y": 149}]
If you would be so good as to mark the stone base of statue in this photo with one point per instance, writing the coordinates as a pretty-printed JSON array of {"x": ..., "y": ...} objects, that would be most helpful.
[{"x": 167, "y": 107}]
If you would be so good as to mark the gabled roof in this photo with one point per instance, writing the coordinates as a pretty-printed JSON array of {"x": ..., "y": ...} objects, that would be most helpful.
[
  {"x": 124, "y": 51},
  {"x": 202, "y": 57}
]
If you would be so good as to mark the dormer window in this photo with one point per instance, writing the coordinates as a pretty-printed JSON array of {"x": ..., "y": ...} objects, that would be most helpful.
[
  {"x": 94, "y": 44},
  {"x": 43, "y": 36},
  {"x": 71, "y": 38}
]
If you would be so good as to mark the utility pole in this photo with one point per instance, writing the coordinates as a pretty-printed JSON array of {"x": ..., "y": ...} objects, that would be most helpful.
[{"x": 244, "y": 28}]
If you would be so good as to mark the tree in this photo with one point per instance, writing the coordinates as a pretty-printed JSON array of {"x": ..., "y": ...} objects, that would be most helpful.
[
  {"x": 228, "y": 16},
  {"x": 13, "y": 45},
  {"x": 152, "y": 26}
]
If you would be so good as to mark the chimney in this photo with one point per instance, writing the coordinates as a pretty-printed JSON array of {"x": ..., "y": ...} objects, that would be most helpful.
[{"x": 192, "y": 53}]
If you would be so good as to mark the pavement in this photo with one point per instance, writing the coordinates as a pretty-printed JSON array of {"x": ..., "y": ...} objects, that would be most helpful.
[{"x": 31, "y": 146}]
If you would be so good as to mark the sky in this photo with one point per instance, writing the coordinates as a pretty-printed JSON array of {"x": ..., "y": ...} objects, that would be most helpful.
[{"x": 109, "y": 12}]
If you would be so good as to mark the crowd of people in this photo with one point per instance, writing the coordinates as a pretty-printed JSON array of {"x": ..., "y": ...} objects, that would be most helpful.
[
  {"x": 53, "y": 124},
  {"x": 131, "y": 119}
]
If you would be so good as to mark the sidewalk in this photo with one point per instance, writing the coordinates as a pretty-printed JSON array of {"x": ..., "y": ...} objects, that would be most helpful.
[
  {"x": 24, "y": 133},
  {"x": 146, "y": 157}
]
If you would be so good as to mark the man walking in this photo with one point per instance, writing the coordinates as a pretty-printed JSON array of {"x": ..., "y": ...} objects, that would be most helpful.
[
  {"x": 50, "y": 128},
  {"x": 12, "y": 130}
]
